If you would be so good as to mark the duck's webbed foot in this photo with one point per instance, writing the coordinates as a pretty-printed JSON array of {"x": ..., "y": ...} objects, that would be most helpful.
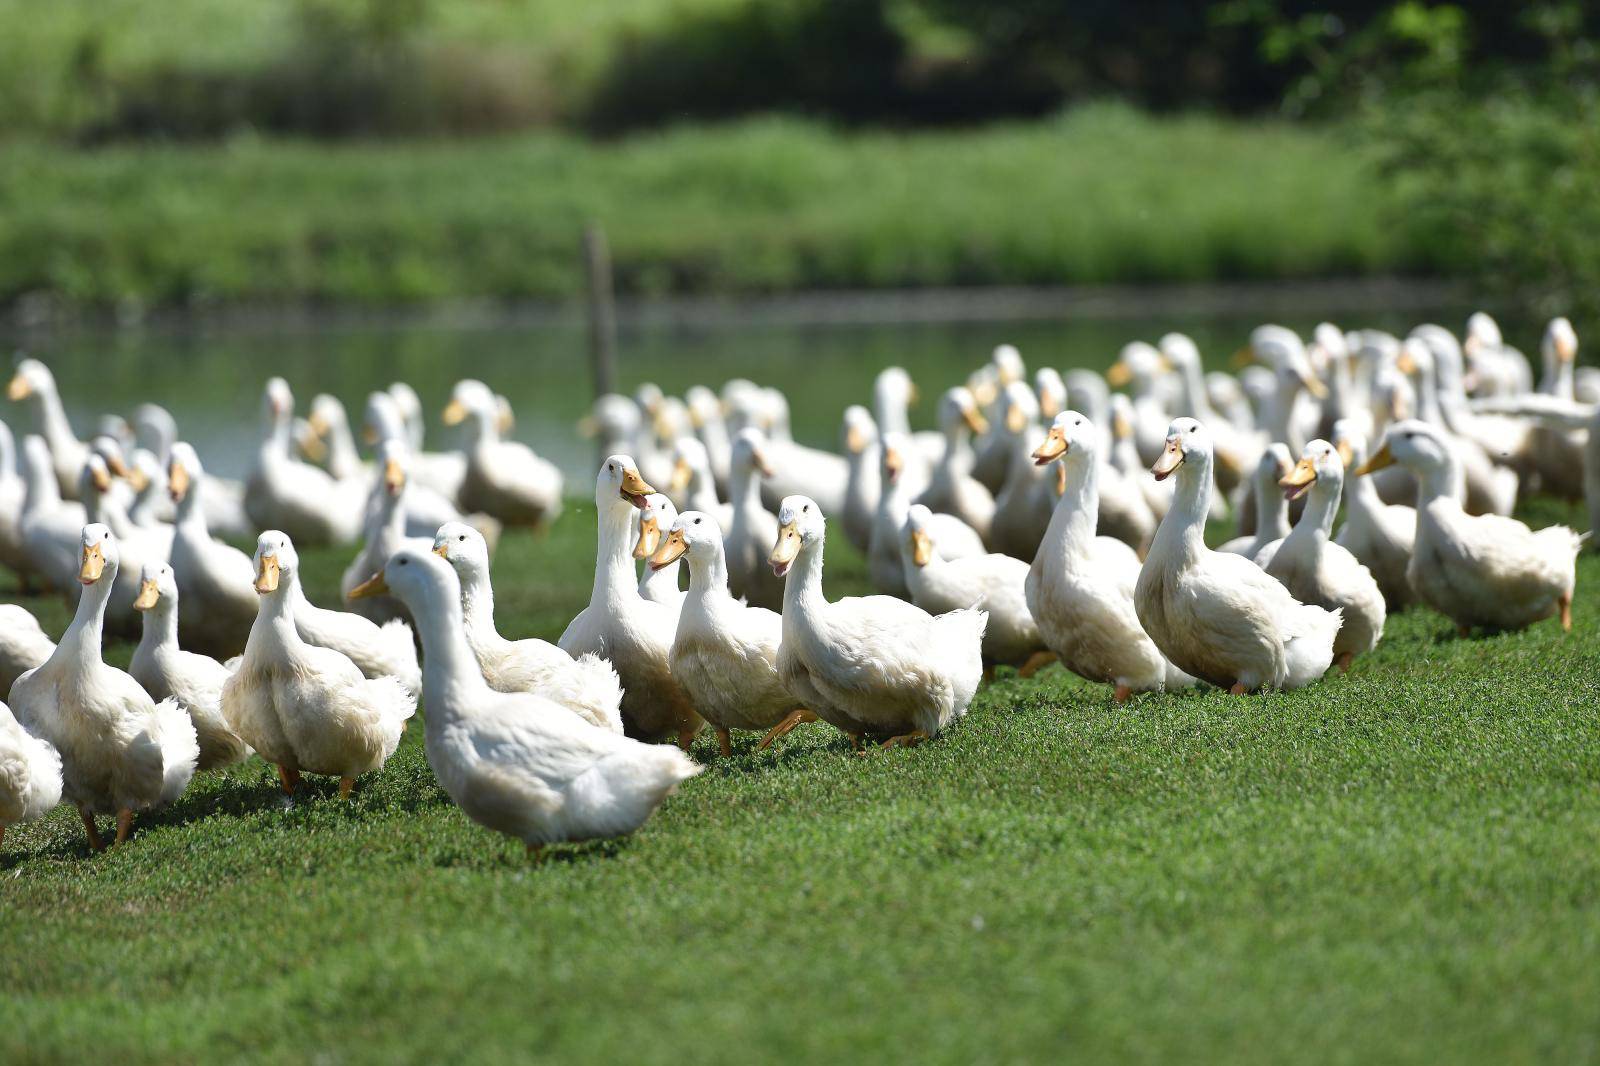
[
  {"x": 905, "y": 740},
  {"x": 1036, "y": 662},
  {"x": 783, "y": 728}
]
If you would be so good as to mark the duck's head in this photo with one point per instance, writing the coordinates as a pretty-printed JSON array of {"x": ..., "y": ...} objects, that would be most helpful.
[
  {"x": 183, "y": 470},
  {"x": 859, "y": 430},
  {"x": 381, "y": 418},
  {"x": 1416, "y": 445},
  {"x": 704, "y": 407},
  {"x": 1320, "y": 461},
  {"x": 1330, "y": 344},
  {"x": 109, "y": 449},
  {"x": 407, "y": 401},
  {"x": 1071, "y": 434},
  {"x": 656, "y": 515},
  {"x": 742, "y": 403},
  {"x": 32, "y": 378},
  {"x": 463, "y": 548},
  {"x": 144, "y": 472},
  {"x": 693, "y": 533},
  {"x": 1415, "y": 357},
  {"x": 1274, "y": 465},
  {"x": 97, "y": 555},
  {"x": 1483, "y": 334},
  {"x": 919, "y": 534},
  {"x": 1138, "y": 364},
  {"x": 672, "y": 421},
  {"x": 750, "y": 453},
  {"x": 1186, "y": 439},
  {"x": 800, "y": 525},
  {"x": 689, "y": 460},
  {"x": 1051, "y": 390},
  {"x": 613, "y": 417},
  {"x": 154, "y": 428},
  {"x": 619, "y": 479},
  {"x": 414, "y": 576},
  {"x": 892, "y": 458},
  {"x": 1019, "y": 408},
  {"x": 958, "y": 408},
  {"x": 470, "y": 398},
  {"x": 394, "y": 456},
  {"x": 327, "y": 415},
  {"x": 275, "y": 558},
  {"x": 157, "y": 582},
  {"x": 277, "y": 402},
  {"x": 894, "y": 387},
  {"x": 1350, "y": 442},
  {"x": 1560, "y": 342},
  {"x": 649, "y": 396},
  {"x": 1008, "y": 364},
  {"x": 1180, "y": 350},
  {"x": 776, "y": 407},
  {"x": 95, "y": 480}
]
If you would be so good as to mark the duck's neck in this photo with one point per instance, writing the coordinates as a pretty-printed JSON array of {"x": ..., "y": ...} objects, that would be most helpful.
[
  {"x": 53, "y": 424},
  {"x": 1077, "y": 512},
  {"x": 82, "y": 639},
  {"x": 1195, "y": 397},
  {"x": 893, "y": 503},
  {"x": 477, "y": 607},
  {"x": 343, "y": 459},
  {"x": 277, "y": 610},
  {"x": 1361, "y": 496},
  {"x": 1428, "y": 396},
  {"x": 43, "y": 493},
  {"x": 1559, "y": 378},
  {"x": 957, "y": 457},
  {"x": 1279, "y": 416},
  {"x": 451, "y": 679},
  {"x": 702, "y": 492},
  {"x": 1444, "y": 480},
  {"x": 8, "y": 454},
  {"x": 191, "y": 517},
  {"x": 614, "y": 577},
  {"x": 158, "y": 628},
  {"x": 802, "y": 587},
  {"x": 276, "y": 443},
  {"x": 708, "y": 576},
  {"x": 745, "y": 487},
  {"x": 1183, "y": 528},
  {"x": 1322, "y": 503},
  {"x": 891, "y": 414},
  {"x": 484, "y": 431},
  {"x": 1272, "y": 512},
  {"x": 663, "y": 582}
]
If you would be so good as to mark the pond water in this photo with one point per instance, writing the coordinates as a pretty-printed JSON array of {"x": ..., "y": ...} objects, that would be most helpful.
[{"x": 210, "y": 376}]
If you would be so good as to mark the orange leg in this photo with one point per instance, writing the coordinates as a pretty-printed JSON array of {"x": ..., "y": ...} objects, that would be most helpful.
[
  {"x": 289, "y": 779},
  {"x": 855, "y": 741},
  {"x": 1122, "y": 694},
  {"x": 783, "y": 728},
  {"x": 346, "y": 784},
  {"x": 1566, "y": 612},
  {"x": 1036, "y": 662},
  {"x": 1345, "y": 660},
  {"x": 905, "y": 740},
  {"x": 1238, "y": 689},
  {"x": 988, "y": 673},
  {"x": 124, "y": 825},
  {"x": 724, "y": 742},
  {"x": 95, "y": 843}
]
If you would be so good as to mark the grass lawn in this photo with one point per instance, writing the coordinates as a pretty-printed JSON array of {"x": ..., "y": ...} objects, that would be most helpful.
[
  {"x": 1102, "y": 194},
  {"x": 1398, "y": 865}
]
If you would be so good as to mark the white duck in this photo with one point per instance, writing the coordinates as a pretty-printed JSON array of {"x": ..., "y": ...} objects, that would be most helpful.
[
  {"x": 152, "y": 506},
  {"x": 711, "y": 429},
  {"x": 223, "y": 498},
  {"x": 517, "y": 762},
  {"x": 1217, "y": 616},
  {"x": 990, "y": 583},
  {"x": 23, "y": 644},
  {"x": 725, "y": 654},
  {"x": 952, "y": 489},
  {"x": 305, "y": 501},
  {"x": 168, "y": 672},
  {"x": 120, "y": 751},
  {"x": 694, "y": 487},
  {"x": 1271, "y": 510},
  {"x": 1557, "y": 456},
  {"x": 1318, "y": 571},
  {"x": 622, "y": 626},
  {"x": 50, "y": 526},
  {"x": 304, "y": 708},
  {"x": 893, "y": 394},
  {"x": 657, "y": 584},
  {"x": 753, "y": 528},
  {"x": 34, "y": 383},
  {"x": 1080, "y": 587},
  {"x": 859, "y": 435},
  {"x": 869, "y": 664},
  {"x": 797, "y": 468},
  {"x": 953, "y": 537},
  {"x": 1381, "y": 535},
  {"x": 505, "y": 478},
  {"x": 119, "y": 617},
  {"x": 586, "y": 686},
  {"x": 1025, "y": 500},
  {"x": 30, "y": 774},
  {"x": 386, "y": 534},
  {"x": 13, "y": 493},
  {"x": 217, "y": 604},
  {"x": 396, "y": 415},
  {"x": 1478, "y": 570}
]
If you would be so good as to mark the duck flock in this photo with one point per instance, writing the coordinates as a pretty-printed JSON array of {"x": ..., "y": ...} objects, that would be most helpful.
[{"x": 1048, "y": 519}]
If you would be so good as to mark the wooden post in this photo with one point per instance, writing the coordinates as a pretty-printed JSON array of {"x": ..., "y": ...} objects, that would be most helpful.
[{"x": 602, "y": 309}]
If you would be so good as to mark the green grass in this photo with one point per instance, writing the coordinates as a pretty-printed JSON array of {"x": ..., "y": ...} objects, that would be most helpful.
[
  {"x": 1398, "y": 865},
  {"x": 1102, "y": 194}
]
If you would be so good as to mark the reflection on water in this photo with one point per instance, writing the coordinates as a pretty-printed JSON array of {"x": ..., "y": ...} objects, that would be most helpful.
[{"x": 211, "y": 379}]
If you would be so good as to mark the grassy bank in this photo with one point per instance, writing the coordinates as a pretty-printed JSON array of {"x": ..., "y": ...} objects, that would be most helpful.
[
  {"x": 1400, "y": 865},
  {"x": 1100, "y": 195}
]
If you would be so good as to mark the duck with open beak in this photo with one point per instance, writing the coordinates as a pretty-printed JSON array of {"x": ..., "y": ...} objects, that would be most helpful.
[
  {"x": 1170, "y": 459},
  {"x": 658, "y": 583},
  {"x": 635, "y": 489},
  {"x": 785, "y": 549},
  {"x": 1297, "y": 482}
]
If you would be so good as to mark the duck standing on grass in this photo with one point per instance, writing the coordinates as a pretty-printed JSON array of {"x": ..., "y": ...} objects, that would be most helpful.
[
  {"x": 30, "y": 774},
  {"x": 633, "y": 633},
  {"x": 725, "y": 653},
  {"x": 586, "y": 686},
  {"x": 121, "y": 751},
  {"x": 504, "y": 478},
  {"x": 214, "y": 579},
  {"x": 515, "y": 762},
  {"x": 1219, "y": 616},
  {"x": 1080, "y": 587},
  {"x": 868, "y": 664},
  {"x": 303, "y": 708},
  {"x": 168, "y": 672},
  {"x": 1477, "y": 570},
  {"x": 1318, "y": 571}
]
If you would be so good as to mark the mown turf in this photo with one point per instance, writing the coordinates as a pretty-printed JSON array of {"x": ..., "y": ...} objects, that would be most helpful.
[{"x": 1398, "y": 865}]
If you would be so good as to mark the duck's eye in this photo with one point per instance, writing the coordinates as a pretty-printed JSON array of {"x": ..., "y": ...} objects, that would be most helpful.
[
  {"x": 807, "y": 507},
  {"x": 404, "y": 561},
  {"x": 697, "y": 521},
  {"x": 462, "y": 537}
]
